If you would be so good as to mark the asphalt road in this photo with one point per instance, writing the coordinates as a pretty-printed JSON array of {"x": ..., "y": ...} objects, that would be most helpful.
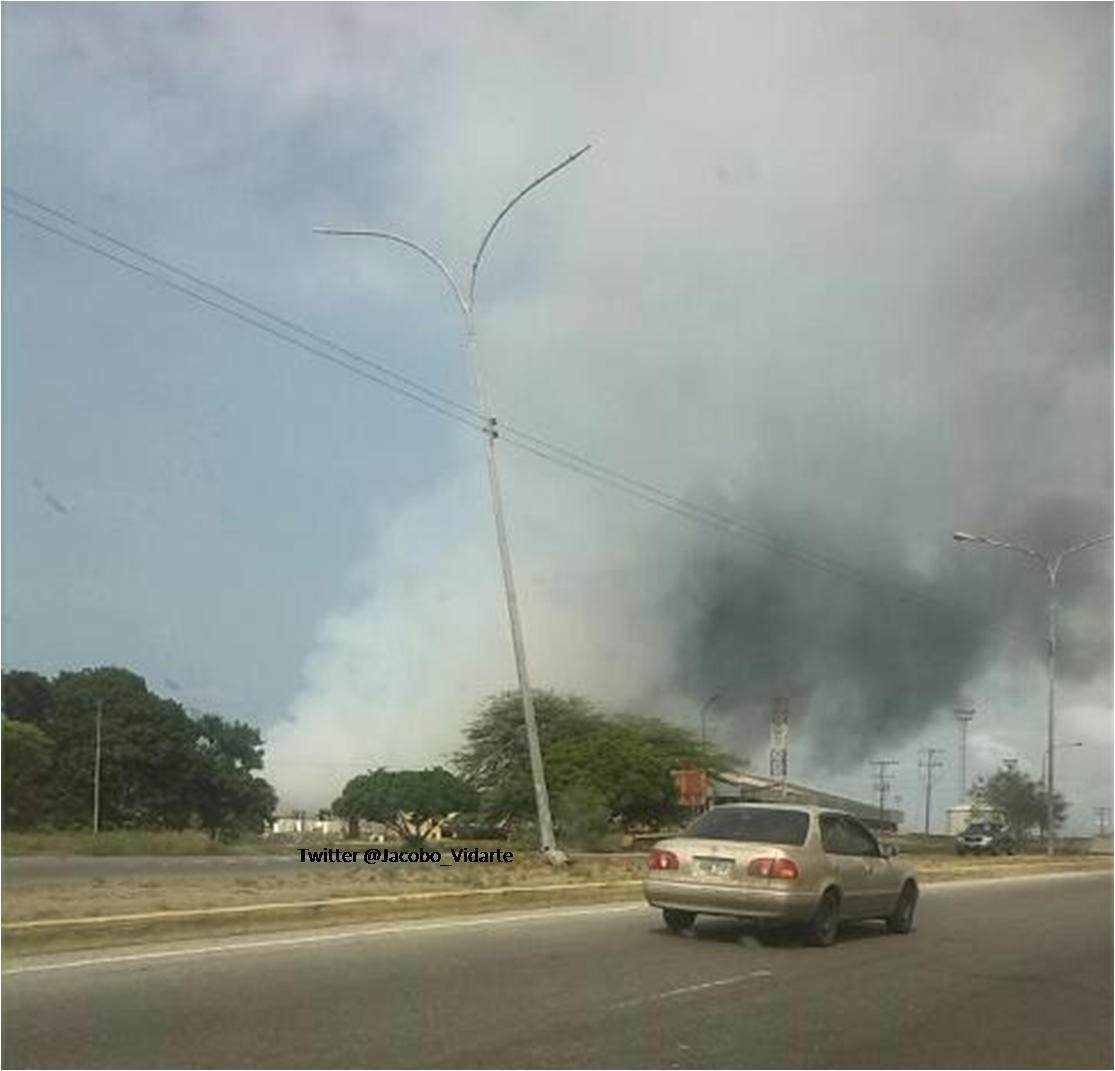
[{"x": 1012, "y": 973}]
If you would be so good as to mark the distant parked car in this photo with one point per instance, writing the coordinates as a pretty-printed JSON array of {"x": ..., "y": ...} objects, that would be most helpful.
[
  {"x": 775, "y": 862},
  {"x": 985, "y": 838}
]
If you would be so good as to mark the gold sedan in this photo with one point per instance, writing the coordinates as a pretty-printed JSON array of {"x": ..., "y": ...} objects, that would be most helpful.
[{"x": 773, "y": 862}]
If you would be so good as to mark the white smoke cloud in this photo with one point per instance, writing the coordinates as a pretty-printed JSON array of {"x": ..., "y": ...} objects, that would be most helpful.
[{"x": 814, "y": 271}]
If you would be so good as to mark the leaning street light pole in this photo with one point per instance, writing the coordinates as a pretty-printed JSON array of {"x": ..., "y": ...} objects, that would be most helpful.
[
  {"x": 1052, "y": 568},
  {"x": 466, "y": 299}
]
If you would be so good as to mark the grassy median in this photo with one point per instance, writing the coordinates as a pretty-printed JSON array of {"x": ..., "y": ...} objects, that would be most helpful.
[{"x": 85, "y": 914}]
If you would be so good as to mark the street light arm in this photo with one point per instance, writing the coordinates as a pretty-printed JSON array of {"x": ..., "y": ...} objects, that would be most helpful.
[
  {"x": 1079, "y": 547},
  {"x": 435, "y": 260},
  {"x": 967, "y": 537},
  {"x": 507, "y": 208}
]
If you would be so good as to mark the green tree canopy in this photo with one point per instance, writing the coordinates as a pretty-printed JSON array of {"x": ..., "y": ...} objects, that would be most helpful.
[
  {"x": 624, "y": 763},
  {"x": 25, "y": 695},
  {"x": 1020, "y": 799},
  {"x": 229, "y": 800},
  {"x": 160, "y": 768},
  {"x": 410, "y": 802},
  {"x": 27, "y": 754}
]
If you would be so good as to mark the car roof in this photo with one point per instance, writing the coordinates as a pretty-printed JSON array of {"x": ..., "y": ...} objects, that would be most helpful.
[{"x": 807, "y": 808}]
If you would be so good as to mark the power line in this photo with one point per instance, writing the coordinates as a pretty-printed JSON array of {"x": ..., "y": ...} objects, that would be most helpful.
[
  {"x": 286, "y": 330},
  {"x": 711, "y": 518},
  {"x": 405, "y": 389},
  {"x": 197, "y": 280}
]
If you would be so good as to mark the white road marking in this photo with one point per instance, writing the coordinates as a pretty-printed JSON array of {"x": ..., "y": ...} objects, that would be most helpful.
[
  {"x": 685, "y": 990},
  {"x": 323, "y": 938}
]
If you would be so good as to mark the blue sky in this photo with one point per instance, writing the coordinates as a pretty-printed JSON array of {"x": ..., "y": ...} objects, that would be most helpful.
[{"x": 842, "y": 274}]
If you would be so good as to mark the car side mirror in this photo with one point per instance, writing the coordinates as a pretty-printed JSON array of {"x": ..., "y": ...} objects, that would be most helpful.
[{"x": 888, "y": 851}]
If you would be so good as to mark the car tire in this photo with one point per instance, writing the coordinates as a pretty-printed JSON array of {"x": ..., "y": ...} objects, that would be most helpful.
[
  {"x": 901, "y": 919},
  {"x": 678, "y": 921},
  {"x": 823, "y": 926}
]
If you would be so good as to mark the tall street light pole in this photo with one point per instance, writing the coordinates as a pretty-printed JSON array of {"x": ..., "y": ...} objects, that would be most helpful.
[
  {"x": 466, "y": 299},
  {"x": 964, "y": 716},
  {"x": 1052, "y": 568},
  {"x": 704, "y": 714}
]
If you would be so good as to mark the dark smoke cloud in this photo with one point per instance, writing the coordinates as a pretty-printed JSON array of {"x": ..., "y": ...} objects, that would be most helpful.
[{"x": 869, "y": 665}]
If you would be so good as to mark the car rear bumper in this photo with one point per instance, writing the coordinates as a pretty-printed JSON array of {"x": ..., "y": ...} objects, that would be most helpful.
[{"x": 709, "y": 898}]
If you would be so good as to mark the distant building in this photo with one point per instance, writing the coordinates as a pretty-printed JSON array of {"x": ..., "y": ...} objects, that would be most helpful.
[
  {"x": 301, "y": 824},
  {"x": 746, "y": 787}
]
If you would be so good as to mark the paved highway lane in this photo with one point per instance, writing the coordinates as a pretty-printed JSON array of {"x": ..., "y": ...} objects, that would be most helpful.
[{"x": 998, "y": 974}]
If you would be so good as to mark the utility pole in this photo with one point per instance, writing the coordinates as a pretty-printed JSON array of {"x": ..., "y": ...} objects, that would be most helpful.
[
  {"x": 882, "y": 785},
  {"x": 1102, "y": 815},
  {"x": 930, "y": 764},
  {"x": 964, "y": 715},
  {"x": 779, "y": 753},
  {"x": 97, "y": 771}
]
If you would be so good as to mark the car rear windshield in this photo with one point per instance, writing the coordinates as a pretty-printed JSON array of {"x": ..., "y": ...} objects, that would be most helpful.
[{"x": 754, "y": 825}]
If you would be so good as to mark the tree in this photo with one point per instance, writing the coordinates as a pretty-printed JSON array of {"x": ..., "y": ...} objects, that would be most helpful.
[
  {"x": 160, "y": 768},
  {"x": 412, "y": 803},
  {"x": 623, "y": 763},
  {"x": 496, "y": 756},
  {"x": 147, "y": 751},
  {"x": 26, "y": 696},
  {"x": 228, "y": 799},
  {"x": 1020, "y": 800},
  {"x": 27, "y": 754}
]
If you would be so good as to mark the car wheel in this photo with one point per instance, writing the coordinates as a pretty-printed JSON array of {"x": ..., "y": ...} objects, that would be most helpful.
[
  {"x": 901, "y": 919},
  {"x": 825, "y": 922},
  {"x": 678, "y": 921}
]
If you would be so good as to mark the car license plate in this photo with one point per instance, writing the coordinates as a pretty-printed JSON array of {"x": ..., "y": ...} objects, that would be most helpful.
[{"x": 714, "y": 868}]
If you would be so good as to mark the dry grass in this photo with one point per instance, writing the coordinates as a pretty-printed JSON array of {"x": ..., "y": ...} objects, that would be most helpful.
[{"x": 309, "y": 882}]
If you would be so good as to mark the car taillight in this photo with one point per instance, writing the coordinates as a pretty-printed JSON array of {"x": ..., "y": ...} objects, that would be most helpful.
[
  {"x": 769, "y": 866},
  {"x": 661, "y": 859}
]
